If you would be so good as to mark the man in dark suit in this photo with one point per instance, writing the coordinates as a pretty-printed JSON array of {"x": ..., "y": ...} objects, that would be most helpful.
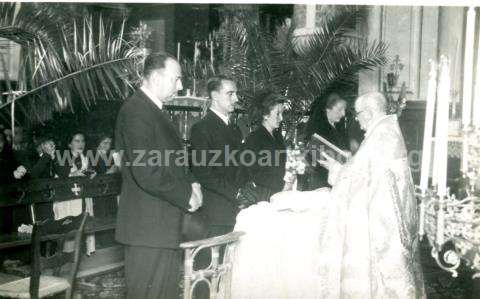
[
  {"x": 156, "y": 193},
  {"x": 214, "y": 133}
]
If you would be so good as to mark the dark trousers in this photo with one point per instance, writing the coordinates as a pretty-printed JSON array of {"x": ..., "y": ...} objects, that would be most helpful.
[
  {"x": 204, "y": 257},
  {"x": 152, "y": 272}
]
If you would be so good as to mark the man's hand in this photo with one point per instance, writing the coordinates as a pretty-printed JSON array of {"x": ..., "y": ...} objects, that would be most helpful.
[
  {"x": 329, "y": 163},
  {"x": 196, "y": 199},
  {"x": 19, "y": 172}
]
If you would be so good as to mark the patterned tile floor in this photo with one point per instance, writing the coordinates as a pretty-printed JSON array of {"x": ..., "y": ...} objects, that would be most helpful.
[{"x": 439, "y": 284}]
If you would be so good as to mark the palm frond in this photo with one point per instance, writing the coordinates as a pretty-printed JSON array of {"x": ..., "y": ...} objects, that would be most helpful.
[{"x": 91, "y": 60}]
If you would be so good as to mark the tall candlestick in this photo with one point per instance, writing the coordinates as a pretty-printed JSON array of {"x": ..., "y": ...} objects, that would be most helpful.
[
  {"x": 468, "y": 68},
  {"x": 476, "y": 98},
  {"x": 427, "y": 133},
  {"x": 441, "y": 129}
]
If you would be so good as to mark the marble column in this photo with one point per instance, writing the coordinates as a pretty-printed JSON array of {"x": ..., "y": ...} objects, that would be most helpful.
[{"x": 372, "y": 29}]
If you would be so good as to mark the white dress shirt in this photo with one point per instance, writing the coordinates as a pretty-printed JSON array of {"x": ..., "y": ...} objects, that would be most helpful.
[
  {"x": 152, "y": 97},
  {"x": 222, "y": 116}
]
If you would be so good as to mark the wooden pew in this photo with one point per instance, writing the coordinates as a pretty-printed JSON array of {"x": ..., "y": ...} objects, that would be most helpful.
[{"x": 50, "y": 190}]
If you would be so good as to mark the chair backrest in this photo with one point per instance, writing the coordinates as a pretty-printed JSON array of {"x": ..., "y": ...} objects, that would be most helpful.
[
  {"x": 218, "y": 274},
  {"x": 71, "y": 227}
]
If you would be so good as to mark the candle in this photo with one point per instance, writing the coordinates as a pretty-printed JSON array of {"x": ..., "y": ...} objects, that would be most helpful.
[
  {"x": 211, "y": 53},
  {"x": 310, "y": 15},
  {"x": 178, "y": 51},
  {"x": 427, "y": 133},
  {"x": 195, "y": 51},
  {"x": 468, "y": 71},
  {"x": 476, "y": 98},
  {"x": 441, "y": 129}
]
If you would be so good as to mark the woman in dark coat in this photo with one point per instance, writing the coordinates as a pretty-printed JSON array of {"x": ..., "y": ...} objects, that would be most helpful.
[
  {"x": 267, "y": 146},
  {"x": 324, "y": 122}
]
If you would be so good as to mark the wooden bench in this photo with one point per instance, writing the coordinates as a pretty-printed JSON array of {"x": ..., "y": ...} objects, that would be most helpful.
[{"x": 104, "y": 260}]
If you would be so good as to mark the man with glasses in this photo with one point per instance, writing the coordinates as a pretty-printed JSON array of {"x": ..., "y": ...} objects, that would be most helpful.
[{"x": 376, "y": 210}]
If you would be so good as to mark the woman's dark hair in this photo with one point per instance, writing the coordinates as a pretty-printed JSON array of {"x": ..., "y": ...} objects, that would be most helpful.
[
  {"x": 72, "y": 135},
  {"x": 333, "y": 99},
  {"x": 318, "y": 110},
  {"x": 101, "y": 138},
  {"x": 263, "y": 104}
]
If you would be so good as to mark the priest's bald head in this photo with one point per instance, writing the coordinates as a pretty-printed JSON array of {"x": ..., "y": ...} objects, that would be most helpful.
[{"x": 369, "y": 107}]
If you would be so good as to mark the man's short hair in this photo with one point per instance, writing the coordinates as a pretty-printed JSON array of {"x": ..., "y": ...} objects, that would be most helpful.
[
  {"x": 154, "y": 62},
  {"x": 215, "y": 83}
]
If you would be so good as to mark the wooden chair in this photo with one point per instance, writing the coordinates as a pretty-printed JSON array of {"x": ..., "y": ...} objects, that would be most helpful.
[
  {"x": 38, "y": 285},
  {"x": 217, "y": 275}
]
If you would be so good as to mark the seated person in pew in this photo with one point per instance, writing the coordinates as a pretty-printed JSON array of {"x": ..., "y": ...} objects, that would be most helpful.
[
  {"x": 73, "y": 162},
  {"x": 45, "y": 167}
]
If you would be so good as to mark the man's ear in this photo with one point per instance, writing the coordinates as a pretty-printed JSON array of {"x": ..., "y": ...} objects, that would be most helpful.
[
  {"x": 214, "y": 94},
  {"x": 156, "y": 76}
]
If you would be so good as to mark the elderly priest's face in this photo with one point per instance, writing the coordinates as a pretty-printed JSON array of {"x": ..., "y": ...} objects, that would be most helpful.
[{"x": 362, "y": 114}]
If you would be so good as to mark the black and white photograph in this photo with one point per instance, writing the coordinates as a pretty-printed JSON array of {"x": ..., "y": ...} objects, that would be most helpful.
[{"x": 240, "y": 149}]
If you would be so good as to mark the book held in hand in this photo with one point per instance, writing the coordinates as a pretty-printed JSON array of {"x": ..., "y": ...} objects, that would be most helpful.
[{"x": 321, "y": 146}]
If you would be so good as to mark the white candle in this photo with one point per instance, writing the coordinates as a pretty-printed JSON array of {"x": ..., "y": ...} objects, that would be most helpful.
[
  {"x": 427, "y": 133},
  {"x": 178, "y": 51},
  {"x": 441, "y": 129},
  {"x": 310, "y": 15},
  {"x": 468, "y": 68},
  {"x": 476, "y": 98},
  {"x": 211, "y": 53},
  {"x": 195, "y": 52}
]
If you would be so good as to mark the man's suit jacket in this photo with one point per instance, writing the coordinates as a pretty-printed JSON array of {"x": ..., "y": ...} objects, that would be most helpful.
[
  {"x": 154, "y": 195},
  {"x": 219, "y": 183}
]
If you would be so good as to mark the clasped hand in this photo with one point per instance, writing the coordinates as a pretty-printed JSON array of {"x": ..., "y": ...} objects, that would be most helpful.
[{"x": 196, "y": 199}]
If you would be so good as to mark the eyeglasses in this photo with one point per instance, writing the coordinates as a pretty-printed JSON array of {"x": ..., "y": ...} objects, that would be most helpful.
[{"x": 356, "y": 114}]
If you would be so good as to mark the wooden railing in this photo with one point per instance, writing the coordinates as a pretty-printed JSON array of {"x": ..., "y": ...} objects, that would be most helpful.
[{"x": 51, "y": 190}]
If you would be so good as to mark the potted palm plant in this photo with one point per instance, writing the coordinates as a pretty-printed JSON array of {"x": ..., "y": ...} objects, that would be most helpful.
[
  {"x": 66, "y": 62},
  {"x": 300, "y": 68}
]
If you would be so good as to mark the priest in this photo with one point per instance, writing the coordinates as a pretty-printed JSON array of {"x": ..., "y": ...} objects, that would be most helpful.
[{"x": 376, "y": 213}]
